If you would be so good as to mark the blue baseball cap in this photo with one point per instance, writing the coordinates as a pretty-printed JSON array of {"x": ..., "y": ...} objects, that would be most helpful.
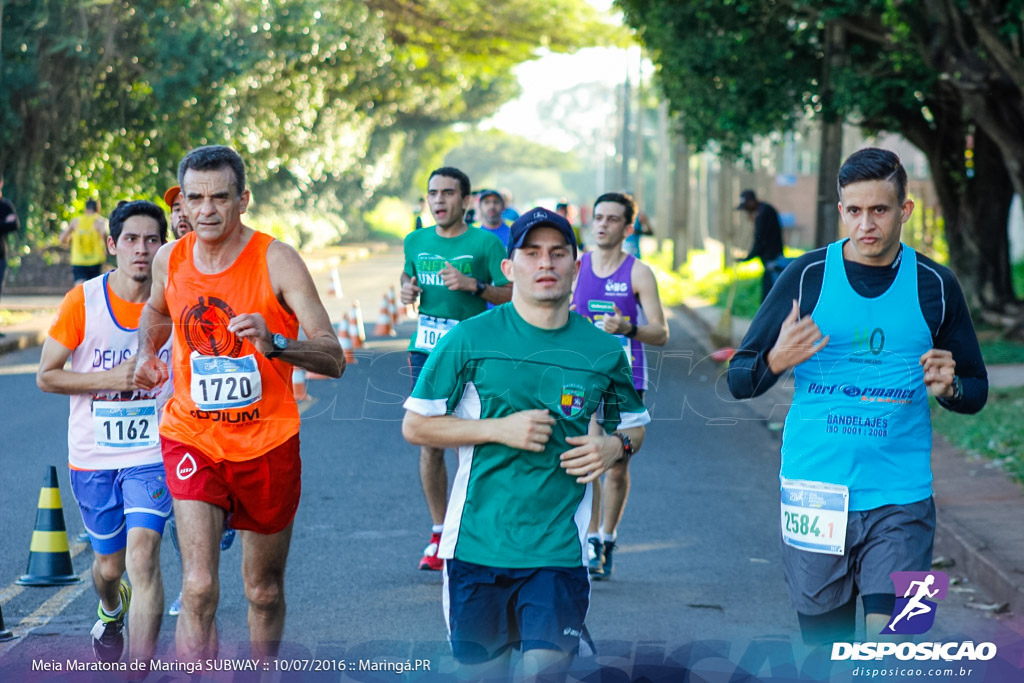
[{"x": 536, "y": 218}]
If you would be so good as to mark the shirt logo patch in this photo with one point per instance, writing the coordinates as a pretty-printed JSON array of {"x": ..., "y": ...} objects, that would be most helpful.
[
  {"x": 572, "y": 400},
  {"x": 205, "y": 325}
]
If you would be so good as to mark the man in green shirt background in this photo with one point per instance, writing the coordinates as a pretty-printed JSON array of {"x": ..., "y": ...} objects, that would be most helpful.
[
  {"x": 454, "y": 271},
  {"x": 514, "y": 389}
]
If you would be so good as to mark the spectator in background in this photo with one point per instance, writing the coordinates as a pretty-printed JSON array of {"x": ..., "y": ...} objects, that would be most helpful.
[
  {"x": 87, "y": 233},
  {"x": 641, "y": 226},
  {"x": 492, "y": 204},
  {"x": 564, "y": 209},
  {"x": 180, "y": 224},
  {"x": 418, "y": 213},
  {"x": 8, "y": 224},
  {"x": 767, "y": 238},
  {"x": 509, "y": 214}
]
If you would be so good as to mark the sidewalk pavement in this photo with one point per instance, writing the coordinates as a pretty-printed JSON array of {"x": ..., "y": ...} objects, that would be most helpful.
[{"x": 979, "y": 510}]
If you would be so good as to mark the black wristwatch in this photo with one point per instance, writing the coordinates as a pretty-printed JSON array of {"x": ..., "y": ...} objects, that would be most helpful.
[
  {"x": 480, "y": 287},
  {"x": 280, "y": 343},
  {"x": 627, "y": 447},
  {"x": 958, "y": 389},
  {"x": 632, "y": 331}
]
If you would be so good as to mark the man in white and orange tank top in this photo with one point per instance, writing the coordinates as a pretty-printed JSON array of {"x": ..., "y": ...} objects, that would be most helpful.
[
  {"x": 117, "y": 471},
  {"x": 234, "y": 299}
]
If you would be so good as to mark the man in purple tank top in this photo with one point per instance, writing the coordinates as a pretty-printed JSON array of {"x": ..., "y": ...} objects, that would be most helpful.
[{"x": 619, "y": 294}]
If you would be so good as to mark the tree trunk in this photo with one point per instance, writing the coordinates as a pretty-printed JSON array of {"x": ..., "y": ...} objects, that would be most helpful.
[{"x": 975, "y": 210}]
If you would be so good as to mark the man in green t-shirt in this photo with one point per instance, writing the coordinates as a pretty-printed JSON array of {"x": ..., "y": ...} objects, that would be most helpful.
[
  {"x": 454, "y": 271},
  {"x": 514, "y": 389}
]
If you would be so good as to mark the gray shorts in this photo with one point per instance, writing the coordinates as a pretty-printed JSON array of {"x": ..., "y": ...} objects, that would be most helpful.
[{"x": 888, "y": 539}]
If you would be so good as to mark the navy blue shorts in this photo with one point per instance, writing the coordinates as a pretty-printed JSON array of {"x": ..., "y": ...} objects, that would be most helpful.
[
  {"x": 416, "y": 361},
  {"x": 490, "y": 609}
]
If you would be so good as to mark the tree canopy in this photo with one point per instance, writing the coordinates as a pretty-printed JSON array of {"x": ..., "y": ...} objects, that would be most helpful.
[
  {"x": 330, "y": 103},
  {"x": 948, "y": 76}
]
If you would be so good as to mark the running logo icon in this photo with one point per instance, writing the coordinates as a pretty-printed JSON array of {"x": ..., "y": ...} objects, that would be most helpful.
[{"x": 914, "y": 613}]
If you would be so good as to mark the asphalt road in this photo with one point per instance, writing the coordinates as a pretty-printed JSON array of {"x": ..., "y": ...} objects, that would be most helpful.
[{"x": 697, "y": 576}]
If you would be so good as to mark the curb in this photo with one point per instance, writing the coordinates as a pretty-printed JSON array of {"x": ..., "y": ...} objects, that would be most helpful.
[
  {"x": 18, "y": 341},
  {"x": 969, "y": 499}
]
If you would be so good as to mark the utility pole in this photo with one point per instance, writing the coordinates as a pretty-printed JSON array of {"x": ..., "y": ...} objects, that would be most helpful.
[{"x": 626, "y": 123}]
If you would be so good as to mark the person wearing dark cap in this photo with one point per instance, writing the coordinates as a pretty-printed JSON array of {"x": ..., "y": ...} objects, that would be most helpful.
[
  {"x": 767, "y": 238},
  {"x": 492, "y": 204},
  {"x": 514, "y": 388},
  {"x": 180, "y": 223},
  {"x": 453, "y": 271}
]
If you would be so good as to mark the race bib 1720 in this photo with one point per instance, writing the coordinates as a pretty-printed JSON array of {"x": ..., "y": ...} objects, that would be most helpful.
[{"x": 222, "y": 382}]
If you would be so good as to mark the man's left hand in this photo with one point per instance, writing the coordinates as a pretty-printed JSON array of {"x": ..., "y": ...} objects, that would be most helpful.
[
  {"x": 253, "y": 327},
  {"x": 593, "y": 455},
  {"x": 456, "y": 281},
  {"x": 939, "y": 370},
  {"x": 615, "y": 323}
]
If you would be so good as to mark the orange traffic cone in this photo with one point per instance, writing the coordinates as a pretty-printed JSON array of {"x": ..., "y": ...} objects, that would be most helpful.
[
  {"x": 299, "y": 384},
  {"x": 393, "y": 306},
  {"x": 49, "y": 557},
  {"x": 356, "y": 331},
  {"x": 336, "y": 283},
  {"x": 346, "y": 341},
  {"x": 384, "y": 326}
]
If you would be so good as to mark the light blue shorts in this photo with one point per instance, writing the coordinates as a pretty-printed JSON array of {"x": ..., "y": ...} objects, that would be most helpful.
[{"x": 113, "y": 501}]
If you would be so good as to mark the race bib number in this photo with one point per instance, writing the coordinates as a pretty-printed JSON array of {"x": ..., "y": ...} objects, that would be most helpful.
[
  {"x": 222, "y": 382},
  {"x": 125, "y": 424},
  {"x": 814, "y": 516},
  {"x": 429, "y": 331}
]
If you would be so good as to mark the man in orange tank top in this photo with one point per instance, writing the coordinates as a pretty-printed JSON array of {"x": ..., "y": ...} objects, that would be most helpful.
[{"x": 234, "y": 299}]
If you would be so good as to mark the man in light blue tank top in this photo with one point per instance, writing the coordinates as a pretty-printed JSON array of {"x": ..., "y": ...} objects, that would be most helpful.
[
  {"x": 867, "y": 346},
  {"x": 619, "y": 294}
]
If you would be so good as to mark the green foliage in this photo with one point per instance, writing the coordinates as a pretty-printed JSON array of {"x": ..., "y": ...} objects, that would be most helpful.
[
  {"x": 735, "y": 70},
  {"x": 330, "y": 103},
  {"x": 994, "y": 432},
  {"x": 393, "y": 219},
  {"x": 485, "y": 156},
  {"x": 702, "y": 277}
]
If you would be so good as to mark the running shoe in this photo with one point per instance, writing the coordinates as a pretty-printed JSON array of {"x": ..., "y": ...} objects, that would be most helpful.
[
  {"x": 227, "y": 538},
  {"x": 108, "y": 632},
  {"x": 430, "y": 561},
  {"x": 606, "y": 564},
  {"x": 595, "y": 556},
  {"x": 175, "y": 609}
]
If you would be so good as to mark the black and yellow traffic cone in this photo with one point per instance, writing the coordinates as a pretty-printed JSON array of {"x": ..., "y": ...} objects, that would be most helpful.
[
  {"x": 49, "y": 558},
  {"x": 5, "y": 633}
]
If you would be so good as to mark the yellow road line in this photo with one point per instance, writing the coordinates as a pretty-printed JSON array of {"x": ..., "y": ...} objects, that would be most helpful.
[
  {"x": 48, "y": 610},
  {"x": 14, "y": 590}
]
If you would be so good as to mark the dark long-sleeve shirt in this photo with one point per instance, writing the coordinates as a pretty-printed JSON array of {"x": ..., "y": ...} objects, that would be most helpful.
[
  {"x": 942, "y": 304},
  {"x": 767, "y": 234}
]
